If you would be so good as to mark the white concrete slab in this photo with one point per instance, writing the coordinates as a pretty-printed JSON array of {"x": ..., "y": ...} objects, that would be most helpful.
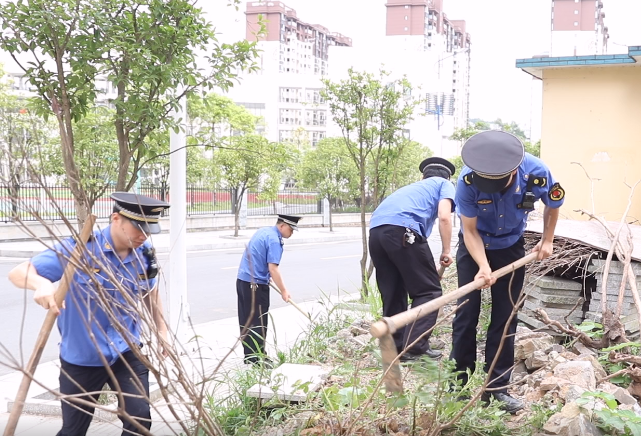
[{"x": 290, "y": 382}]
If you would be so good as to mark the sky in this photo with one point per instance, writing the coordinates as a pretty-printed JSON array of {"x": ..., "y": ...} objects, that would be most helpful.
[{"x": 501, "y": 31}]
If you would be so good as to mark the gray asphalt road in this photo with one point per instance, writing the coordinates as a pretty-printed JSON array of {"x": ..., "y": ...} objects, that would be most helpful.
[{"x": 308, "y": 270}]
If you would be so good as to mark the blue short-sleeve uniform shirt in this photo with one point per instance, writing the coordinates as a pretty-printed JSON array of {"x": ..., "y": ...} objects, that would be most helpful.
[
  {"x": 500, "y": 219},
  {"x": 414, "y": 206},
  {"x": 265, "y": 247},
  {"x": 83, "y": 316}
]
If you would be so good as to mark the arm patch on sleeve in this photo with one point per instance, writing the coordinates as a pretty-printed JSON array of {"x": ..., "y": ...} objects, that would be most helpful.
[{"x": 556, "y": 192}]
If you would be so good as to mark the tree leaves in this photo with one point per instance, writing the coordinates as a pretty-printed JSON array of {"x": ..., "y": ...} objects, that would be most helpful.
[{"x": 145, "y": 49}]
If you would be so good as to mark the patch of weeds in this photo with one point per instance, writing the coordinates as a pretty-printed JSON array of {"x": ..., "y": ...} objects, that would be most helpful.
[
  {"x": 239, "y": 414},
  {"x": 592, "y": 329},
  {"x": 628, "y": 347},
  {"x": 438, "y": 400},
  {"x": 311, "y": 346},
  {"x": 611, "y": 419},
  {"x": 374, "y": 301},
  {"x": 485, "y": 315},
  {"x": 236, "y": 412}
]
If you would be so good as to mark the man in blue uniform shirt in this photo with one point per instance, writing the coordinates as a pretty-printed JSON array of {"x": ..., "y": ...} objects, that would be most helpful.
[
  {"x": 258, "y": 266},
  {"x": 92, "y": 348},
  {"x": 494, "y": 195},
  {"x": 404, "y": 263}
]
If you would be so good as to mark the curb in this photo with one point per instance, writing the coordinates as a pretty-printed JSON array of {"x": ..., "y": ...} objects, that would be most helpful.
[{"x": 207, "y": 247}]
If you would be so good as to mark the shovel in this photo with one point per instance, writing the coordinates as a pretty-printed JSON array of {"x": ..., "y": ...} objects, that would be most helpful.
[{"x": 384, "y": 328}]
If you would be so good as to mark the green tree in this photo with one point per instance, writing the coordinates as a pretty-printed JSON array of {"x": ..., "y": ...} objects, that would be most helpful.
[
  {"x": 371, "y": 113},
  {"x": 95, "y": 153},
  {"x": 512, "y": 128},
  {"x": 330, "y": 170},
  {"x": 215, "y": 118},
  {"x": 144, "y": 48},
  {"x": 23, "y": 136},
  {"x": 458, "y": 164},
  {"x": 533, "y": 149},
  {"x": 462, "y": 134},
  {"x": 244, "y": 163},
  {"x": 397, "y": 167},
  {"x": 482, "y": 125}
]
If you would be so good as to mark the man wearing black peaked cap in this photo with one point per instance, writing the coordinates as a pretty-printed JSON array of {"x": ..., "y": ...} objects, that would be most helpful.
[
  {"x": 118, "y": 260},
  {"x": 404, "y": 263},
  {"x": 495, "y": 193},
  {"x": 258, "y": 266}
]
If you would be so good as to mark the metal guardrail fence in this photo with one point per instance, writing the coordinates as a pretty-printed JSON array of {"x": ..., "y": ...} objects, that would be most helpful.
[{"x": 30, "y": 202}]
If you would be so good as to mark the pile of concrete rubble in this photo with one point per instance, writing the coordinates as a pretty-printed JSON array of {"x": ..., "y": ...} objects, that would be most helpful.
[{"x": 557, "y": 375}]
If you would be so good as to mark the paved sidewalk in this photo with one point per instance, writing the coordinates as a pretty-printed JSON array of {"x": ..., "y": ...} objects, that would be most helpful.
[{"x": 200, "y": 241}]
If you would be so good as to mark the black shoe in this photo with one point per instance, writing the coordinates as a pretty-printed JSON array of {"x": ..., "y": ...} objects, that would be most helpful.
[
  {"x": 413, "y": 357},
  {"x": 508, "y": 403}
]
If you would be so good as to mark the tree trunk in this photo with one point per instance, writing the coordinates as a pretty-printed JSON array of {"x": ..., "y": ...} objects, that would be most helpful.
[
  {"x": 365, "y": 281},
  {"x": 14, "y": 189},
  {"x": 239, "y": 203},
  {"x": 370, "y": 269},
  {"x": 71, "y": 170},
  {"x": 331, "y": 223},
  {"x": 123, "y": 144}
]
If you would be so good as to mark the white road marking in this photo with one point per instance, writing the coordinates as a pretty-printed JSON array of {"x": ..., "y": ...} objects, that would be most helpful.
[{"x": 342, "y": 257}]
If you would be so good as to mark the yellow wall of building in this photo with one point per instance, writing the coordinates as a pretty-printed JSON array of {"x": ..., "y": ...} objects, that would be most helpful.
[{"x": 593, "y": 116}]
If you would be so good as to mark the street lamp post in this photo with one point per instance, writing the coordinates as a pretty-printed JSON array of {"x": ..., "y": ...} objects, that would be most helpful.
[{"x": 178, "y": 305}]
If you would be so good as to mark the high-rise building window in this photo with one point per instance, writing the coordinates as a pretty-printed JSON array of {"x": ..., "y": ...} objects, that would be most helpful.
[
  {"x": 316, "y": 137},
  {"x": 576, "y": 23},
  {"x": 284, "y": 135},
  {"x": 576, "y": 12},
  {"x": 290, "y": 117},
  {"x": 313, "y": 95},
  {"x": 289, "y": 95},
  {"x": 315, "y": 118}
]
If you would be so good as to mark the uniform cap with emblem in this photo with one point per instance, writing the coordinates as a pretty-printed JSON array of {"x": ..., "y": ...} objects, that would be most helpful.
[
  {"x": 492, "y": 156},
  {"x": 144, "y": 212},
  {"x": 290, "y": 219},
  {"x": 438, "y": 162}
]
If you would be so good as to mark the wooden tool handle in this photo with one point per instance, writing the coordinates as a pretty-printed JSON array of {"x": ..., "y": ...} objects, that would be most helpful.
[
  {"x": 290, "y": 301},
  {"x": 381, "y": 328},
  {"x": 47, "y": 325}
]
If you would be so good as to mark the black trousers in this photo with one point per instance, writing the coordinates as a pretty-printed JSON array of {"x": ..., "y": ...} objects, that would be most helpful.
[
  {"x": 76, "y": 379},
  {"x": 256, "y": 322},
  {"x": 467, "y": 317},
  {"x": 404, "y": 270}
]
